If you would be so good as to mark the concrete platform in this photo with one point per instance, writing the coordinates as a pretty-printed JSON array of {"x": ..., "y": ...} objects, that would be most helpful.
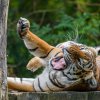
[{"x": 68, "y": 95}]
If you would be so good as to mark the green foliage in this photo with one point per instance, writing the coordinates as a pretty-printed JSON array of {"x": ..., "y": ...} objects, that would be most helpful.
[
  {"x": 53, "y": 21},
  {"x": 85, "y": 27}
]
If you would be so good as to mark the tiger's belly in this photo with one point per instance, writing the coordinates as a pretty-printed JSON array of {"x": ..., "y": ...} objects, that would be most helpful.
[
  {"x": 48, "y": 82},
  {"x": 58, "y": 81},
  {"x": 52, "y": 80}
]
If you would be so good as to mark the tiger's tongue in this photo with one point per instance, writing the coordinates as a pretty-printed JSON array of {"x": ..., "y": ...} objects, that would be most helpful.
[{"x": 60, "y": 64}]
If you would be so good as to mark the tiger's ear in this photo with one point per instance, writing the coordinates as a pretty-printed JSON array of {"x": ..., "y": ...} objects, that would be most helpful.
[{"x": 77, "y": 53}]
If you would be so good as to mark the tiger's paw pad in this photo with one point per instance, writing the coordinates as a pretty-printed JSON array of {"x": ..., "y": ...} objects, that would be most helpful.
[{"x": 22, "y": 25}]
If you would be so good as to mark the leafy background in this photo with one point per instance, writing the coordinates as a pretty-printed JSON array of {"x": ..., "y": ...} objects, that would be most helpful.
[{"x": 54, "y": 21}]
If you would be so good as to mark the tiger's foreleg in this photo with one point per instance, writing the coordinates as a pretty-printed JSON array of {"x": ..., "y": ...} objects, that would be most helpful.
[
  {"x": 35, "y": 63},
  {"x": 33, "y": 43}
]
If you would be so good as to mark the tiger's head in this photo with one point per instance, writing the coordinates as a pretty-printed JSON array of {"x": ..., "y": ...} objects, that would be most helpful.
[{"x": 76, "y": 65}]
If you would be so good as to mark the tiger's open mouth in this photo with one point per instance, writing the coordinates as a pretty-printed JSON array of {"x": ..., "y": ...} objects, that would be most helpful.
[{"x": 58, "y": 63}]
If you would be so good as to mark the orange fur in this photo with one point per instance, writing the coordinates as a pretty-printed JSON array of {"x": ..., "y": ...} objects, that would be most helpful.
[
  {"x": 98, "y": 68},
  {"x": 75, "y": 50},
  {"x": 20, "y": 86},
  {"x": 35, "y": 63},
  {"x": 43, "y": 46}
]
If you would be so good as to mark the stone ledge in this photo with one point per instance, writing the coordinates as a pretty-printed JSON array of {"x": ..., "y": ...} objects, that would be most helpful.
[{"x": 68, "y": 95}]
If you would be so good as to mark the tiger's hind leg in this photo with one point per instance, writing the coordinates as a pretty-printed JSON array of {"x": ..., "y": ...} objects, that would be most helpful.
[{"x": 35, "y": 63}]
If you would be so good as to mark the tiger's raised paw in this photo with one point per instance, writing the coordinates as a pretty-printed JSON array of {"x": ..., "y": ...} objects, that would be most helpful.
[
  {"x": 22, "y": 26},
  {"x": 35, "y": 63}
]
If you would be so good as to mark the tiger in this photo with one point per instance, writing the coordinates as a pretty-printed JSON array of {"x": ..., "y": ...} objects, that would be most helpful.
[{"x": 68, "y": 66}]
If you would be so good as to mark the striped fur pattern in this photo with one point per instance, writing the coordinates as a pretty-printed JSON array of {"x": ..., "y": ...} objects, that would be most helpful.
[{"x": 68, "y": 66}]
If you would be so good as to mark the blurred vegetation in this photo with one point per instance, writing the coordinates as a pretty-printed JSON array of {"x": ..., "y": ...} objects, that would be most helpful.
[{"x": 54, "y": 21}]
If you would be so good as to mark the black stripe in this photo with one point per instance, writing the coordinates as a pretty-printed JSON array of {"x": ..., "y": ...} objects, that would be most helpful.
[
  {"x": 47, "y": 54},
  {"x": 68, "y": 77},
  {"x": 34, "y": 87},
  {"x": 66, "y": 50},
  {"x": 89, "y": 64},
  {"x": 60, "y": 84},
  {"x": 51, "y": 63},
  {"x": 82, "y": 48},
  {"x": 33, "y": 50},
  {"x": 65, "y": 75},
  {"x": 78, "y": 73},
  {"x": 51, "y": 80},
  {"x": 40, "y": 86},
  {"x": 49, "y": 87},
  {"x": 57, "y": 54},
  {"x": 56, "y": 81},
  {"x": 21, "y": 79}
]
